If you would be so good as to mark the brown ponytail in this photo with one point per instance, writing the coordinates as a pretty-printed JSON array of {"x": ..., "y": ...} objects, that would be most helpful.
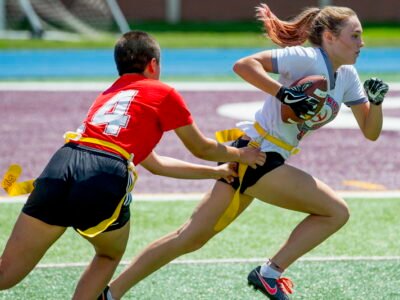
[{"x": 308, "y": 25}]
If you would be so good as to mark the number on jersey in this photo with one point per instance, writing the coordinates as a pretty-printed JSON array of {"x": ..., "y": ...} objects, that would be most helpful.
[{"x": 114, "y": 112}]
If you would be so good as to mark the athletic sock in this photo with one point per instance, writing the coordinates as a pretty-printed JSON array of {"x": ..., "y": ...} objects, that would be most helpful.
[{"x": 270, "y": 270}]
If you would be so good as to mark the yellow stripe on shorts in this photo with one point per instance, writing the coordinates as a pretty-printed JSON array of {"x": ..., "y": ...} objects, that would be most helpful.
[{"x": 103, "y": 225}]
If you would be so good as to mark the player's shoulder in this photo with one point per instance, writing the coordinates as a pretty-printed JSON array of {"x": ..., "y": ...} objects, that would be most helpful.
[
  {"x": 294, "y": 59},
  {"x": 300, "y": 51},
  {"x": 160, "y": 88},
  {"x": 347, "y": 69},
  {"x": 298, "y": 56},
  {"x": 163, "y": 90},
  {"x": 158, "y": 84},
  {"x": 347, "y": 74}
]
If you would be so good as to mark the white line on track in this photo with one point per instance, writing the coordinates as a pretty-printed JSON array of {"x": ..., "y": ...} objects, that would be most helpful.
[
  {"x": 99, "y": 86},
  {"x": 197, "y": 196},
  {"x": 239, "y": 260}
]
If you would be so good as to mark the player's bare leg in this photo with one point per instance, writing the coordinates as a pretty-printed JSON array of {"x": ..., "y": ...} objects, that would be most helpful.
[
  {"x": 110, "y": 247},
  {"x": 189, "y": 237},
  {"x": 27, "y": 244},
  {"x": 294, "y": 189}
]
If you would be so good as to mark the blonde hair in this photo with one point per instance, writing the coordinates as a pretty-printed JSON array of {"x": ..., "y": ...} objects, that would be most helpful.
[{"x": 308, "y": 25}]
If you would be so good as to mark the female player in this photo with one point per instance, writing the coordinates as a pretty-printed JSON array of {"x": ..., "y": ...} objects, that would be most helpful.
[
  {"x": 335, "y": 35},
  {"x": 87, "y": 183}
]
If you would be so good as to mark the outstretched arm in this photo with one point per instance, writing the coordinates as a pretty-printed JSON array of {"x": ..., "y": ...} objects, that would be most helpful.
[
  {"x": 209, "y": 149},
  {"x": 171, "y": 167}
]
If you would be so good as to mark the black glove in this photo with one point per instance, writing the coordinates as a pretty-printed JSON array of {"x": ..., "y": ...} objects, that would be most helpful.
[
  {"x": 376, "y": 90},
  {"x": 303, "y": 105}
]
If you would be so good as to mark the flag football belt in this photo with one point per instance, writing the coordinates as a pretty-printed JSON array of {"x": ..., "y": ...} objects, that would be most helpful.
[
  {"x": 15, "y": 188},
  {"x": 228, "y": 135},
  {"x": 103, "y": 225}
]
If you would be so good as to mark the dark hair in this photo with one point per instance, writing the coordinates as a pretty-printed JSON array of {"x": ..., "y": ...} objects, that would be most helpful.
[
  {"x": 134, "y": 50},
  {"x": 308, "y": 25}
]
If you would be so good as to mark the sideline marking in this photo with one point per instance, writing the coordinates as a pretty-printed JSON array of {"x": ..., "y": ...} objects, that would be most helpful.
[
  {"x": 63, "y": 86},
  {"x": 364, "y": 185},
  {"x": 198, "y": 196},
  {"x": 235, "y": 261}
]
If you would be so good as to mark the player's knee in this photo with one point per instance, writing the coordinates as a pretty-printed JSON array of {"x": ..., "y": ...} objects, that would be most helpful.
[
  {"x": 190, "y": 240},
  {"x": 196, "y": 242},
  {"x": 109, "y": 257},
  {"x": 114, "y": 254},
  {"x": 341, "y": 214}
]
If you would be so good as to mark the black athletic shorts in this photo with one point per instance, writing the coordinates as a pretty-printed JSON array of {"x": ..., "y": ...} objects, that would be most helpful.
[
  {"x": 251, "y": 176},
  {"x": 81, "y": 187}
]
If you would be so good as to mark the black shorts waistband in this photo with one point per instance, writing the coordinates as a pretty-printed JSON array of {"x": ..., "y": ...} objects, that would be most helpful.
[{"x": 95, "y": 151}]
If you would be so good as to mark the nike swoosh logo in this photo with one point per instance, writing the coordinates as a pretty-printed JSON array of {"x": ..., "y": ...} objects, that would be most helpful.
[
  {"x": 290, "y": 101},
  {"x": 270, "y": 290}
]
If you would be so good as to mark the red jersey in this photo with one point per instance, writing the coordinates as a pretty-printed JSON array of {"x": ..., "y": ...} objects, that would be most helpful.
[{"x": 134, "y": 113}]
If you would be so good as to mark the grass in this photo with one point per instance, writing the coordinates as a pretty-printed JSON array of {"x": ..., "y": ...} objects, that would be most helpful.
[
  {"x": 200, "y": 35},
  {"x": 343, "y": 280},
  {"x": 371, "y": 231}
]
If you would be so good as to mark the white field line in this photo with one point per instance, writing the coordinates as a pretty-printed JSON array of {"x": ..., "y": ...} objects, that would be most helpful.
[
  {"x": 100, "y": 86},
  {"x": 238, "y": 260},
  {"x": 198, "y": 196}
]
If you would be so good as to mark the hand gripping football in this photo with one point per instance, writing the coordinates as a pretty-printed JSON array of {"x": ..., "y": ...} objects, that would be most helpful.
[{"x": 318, "y": 90}]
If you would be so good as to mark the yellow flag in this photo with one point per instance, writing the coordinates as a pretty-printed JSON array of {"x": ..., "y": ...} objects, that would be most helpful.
[{"x": 12, "y": 186}]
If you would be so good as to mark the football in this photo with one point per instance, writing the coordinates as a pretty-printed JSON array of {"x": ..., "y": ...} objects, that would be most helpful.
[{"x": 318, "y": 90}]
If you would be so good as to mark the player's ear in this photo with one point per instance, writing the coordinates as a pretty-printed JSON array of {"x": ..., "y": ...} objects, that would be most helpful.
[
  {"x": 152, "y": 66},
  {"x": 328, "y": 36}
]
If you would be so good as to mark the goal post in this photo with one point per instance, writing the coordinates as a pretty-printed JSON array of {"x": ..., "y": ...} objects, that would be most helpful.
[
  {"x": 33, "y": 18},
  {"x": 118, "y": 16},
  {"x": 89, "y": 19},
  {"x": 323, "y": 3},
  {"x": 173, "y": 11},
  {"x": 2, "y": 15}
]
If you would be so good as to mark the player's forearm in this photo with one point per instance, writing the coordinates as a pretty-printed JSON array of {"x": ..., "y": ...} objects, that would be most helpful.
[
  {"x": 214, "y": 151},
  {"x": 253, "y": 72},
  {"x": 175, "y": 168},
  {"x": 373, "y": 122}
]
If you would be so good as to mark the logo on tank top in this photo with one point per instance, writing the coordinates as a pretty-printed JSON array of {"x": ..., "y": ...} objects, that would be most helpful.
[{"x": 326, "y": 115}]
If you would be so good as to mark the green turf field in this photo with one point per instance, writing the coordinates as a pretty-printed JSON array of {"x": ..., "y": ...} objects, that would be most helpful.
[{"x": 365, "y": 255}]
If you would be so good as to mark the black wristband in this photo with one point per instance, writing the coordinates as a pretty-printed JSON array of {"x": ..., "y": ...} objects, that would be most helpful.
[{"x": 281, "y": 94}]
